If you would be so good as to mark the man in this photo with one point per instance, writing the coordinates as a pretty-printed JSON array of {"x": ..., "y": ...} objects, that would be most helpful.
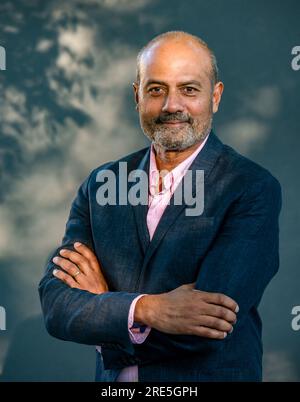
[{"x": 168, "y": 295}]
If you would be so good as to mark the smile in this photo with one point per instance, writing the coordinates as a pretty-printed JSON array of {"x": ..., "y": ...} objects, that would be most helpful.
[{"x": 174, "y": 123}]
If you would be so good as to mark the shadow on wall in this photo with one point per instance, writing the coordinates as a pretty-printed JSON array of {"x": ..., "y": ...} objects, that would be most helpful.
[
  {"x": 34, "y": 355},
  {"x": 66, "y": 107}
]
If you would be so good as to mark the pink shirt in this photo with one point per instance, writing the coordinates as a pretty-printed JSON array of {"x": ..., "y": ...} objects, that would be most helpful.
[{"x": 157, "y": 204}]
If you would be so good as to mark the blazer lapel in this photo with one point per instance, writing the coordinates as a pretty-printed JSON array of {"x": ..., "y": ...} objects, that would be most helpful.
[
  {"x": 140, "y": 211},
  {"x": 205, "y": 161}
]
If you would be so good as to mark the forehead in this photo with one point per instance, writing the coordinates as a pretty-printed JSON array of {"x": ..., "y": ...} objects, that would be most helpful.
[{"x": 175, "y": 61}]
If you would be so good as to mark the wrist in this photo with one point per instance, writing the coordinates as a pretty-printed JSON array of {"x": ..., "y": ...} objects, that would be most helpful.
[{"x": 145, "y": 309}]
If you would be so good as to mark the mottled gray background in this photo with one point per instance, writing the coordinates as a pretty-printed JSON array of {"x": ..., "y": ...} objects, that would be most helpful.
[{"x": 66, "y": 106}]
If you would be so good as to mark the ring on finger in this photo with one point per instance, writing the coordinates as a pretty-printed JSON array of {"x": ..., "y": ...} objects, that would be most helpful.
[{"x": 77, "y": 273}]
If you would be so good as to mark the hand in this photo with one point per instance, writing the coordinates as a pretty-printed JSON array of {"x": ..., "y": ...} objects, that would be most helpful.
[
  {"x": 188, "y": 311},
  {"x": 81, "y": 269}
]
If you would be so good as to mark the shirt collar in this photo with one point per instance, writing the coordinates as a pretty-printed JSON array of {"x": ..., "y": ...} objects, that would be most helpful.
[{"x": 174, "y": 175}]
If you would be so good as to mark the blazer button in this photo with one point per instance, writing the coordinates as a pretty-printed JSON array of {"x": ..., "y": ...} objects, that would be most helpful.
[{"x": 125, "y": 361}]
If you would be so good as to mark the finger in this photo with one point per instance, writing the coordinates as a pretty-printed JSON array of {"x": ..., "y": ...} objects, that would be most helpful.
[
  {"x": 209, "y": 333},
  {"x": 67, "y": 266},
  {"x": 191, "y": 285},
  {"x": 219, "y": 312},
  {"x": 216, "y": 323},
  {"x": 67, "y": 279},
  {"x": 88, "y": 254},
  {"x": 78, "y": 259},
  {"x": 221, "y": 300}
]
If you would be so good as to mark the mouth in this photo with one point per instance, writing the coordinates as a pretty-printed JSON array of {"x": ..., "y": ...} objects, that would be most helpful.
[{"x": 174, "y": 123}]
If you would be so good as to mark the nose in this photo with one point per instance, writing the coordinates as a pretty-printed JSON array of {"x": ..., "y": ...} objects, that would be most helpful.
[{"x": 172, "y": 103}]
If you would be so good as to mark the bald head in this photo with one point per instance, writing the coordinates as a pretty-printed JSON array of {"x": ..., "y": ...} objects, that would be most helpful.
[
  {"x": 177, "y": 90},
  {"x": 178, "y": 40}
]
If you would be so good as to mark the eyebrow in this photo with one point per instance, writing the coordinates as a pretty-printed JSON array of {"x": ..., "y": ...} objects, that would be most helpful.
[{"x": 191, "y": 82}]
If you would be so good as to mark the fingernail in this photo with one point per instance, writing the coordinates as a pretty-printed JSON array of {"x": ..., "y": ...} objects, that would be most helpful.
[
  {"x": 62, "y": 251},
  {"x": 225, "y": 334},
  {"x": 55, "y": 271},
  {"x": 77, "y": 244},
  {"x": 55, "y": 259},
  {"x": 237, "y": 309},
  {"x": 231, "y": 330}
]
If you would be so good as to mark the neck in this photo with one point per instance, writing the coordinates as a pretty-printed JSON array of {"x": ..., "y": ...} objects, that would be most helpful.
[{"x": 168, "y": 160}]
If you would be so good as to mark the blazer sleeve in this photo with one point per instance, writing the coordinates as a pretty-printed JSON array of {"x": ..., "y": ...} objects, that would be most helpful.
[
  {"x": 77, "y": 315},
  {"x": 240, "y": 263}
]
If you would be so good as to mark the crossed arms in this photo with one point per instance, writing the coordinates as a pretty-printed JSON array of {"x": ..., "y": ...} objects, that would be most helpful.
[{"x": 235, "y": 272}]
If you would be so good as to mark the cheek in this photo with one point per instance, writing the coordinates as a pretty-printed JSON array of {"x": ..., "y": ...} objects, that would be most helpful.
[
  {"x": 151, "y": 107},
  {"x": 200, "y": 108}
]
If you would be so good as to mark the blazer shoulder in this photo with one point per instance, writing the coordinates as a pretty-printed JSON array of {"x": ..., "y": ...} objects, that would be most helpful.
[
  {"x": 133, "y": 160},
  {"x": 246, "y": 169}
]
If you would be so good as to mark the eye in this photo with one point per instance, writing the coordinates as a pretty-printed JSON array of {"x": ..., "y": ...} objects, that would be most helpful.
[
  {"x": 190, "y": 90},
  {"x": 155, "y": 91}
]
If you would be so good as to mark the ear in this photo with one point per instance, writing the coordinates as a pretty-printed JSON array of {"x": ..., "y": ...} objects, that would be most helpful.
[
  {"x": 135, "y": 87},
  {"x": 217, "y": 94}
]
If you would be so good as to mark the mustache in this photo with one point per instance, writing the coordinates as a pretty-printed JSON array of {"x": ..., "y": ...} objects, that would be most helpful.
[{"x": 178, "y": 116}]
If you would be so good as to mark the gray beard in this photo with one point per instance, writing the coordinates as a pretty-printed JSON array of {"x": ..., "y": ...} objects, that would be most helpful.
[{"x": 177, "y": 139}]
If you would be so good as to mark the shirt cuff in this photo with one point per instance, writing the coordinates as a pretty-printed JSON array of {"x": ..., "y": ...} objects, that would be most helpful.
[{"x": 137, "y": 333}]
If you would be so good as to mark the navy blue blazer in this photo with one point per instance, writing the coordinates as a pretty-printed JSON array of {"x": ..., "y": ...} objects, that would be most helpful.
[{"x": 232, "y": 248}]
